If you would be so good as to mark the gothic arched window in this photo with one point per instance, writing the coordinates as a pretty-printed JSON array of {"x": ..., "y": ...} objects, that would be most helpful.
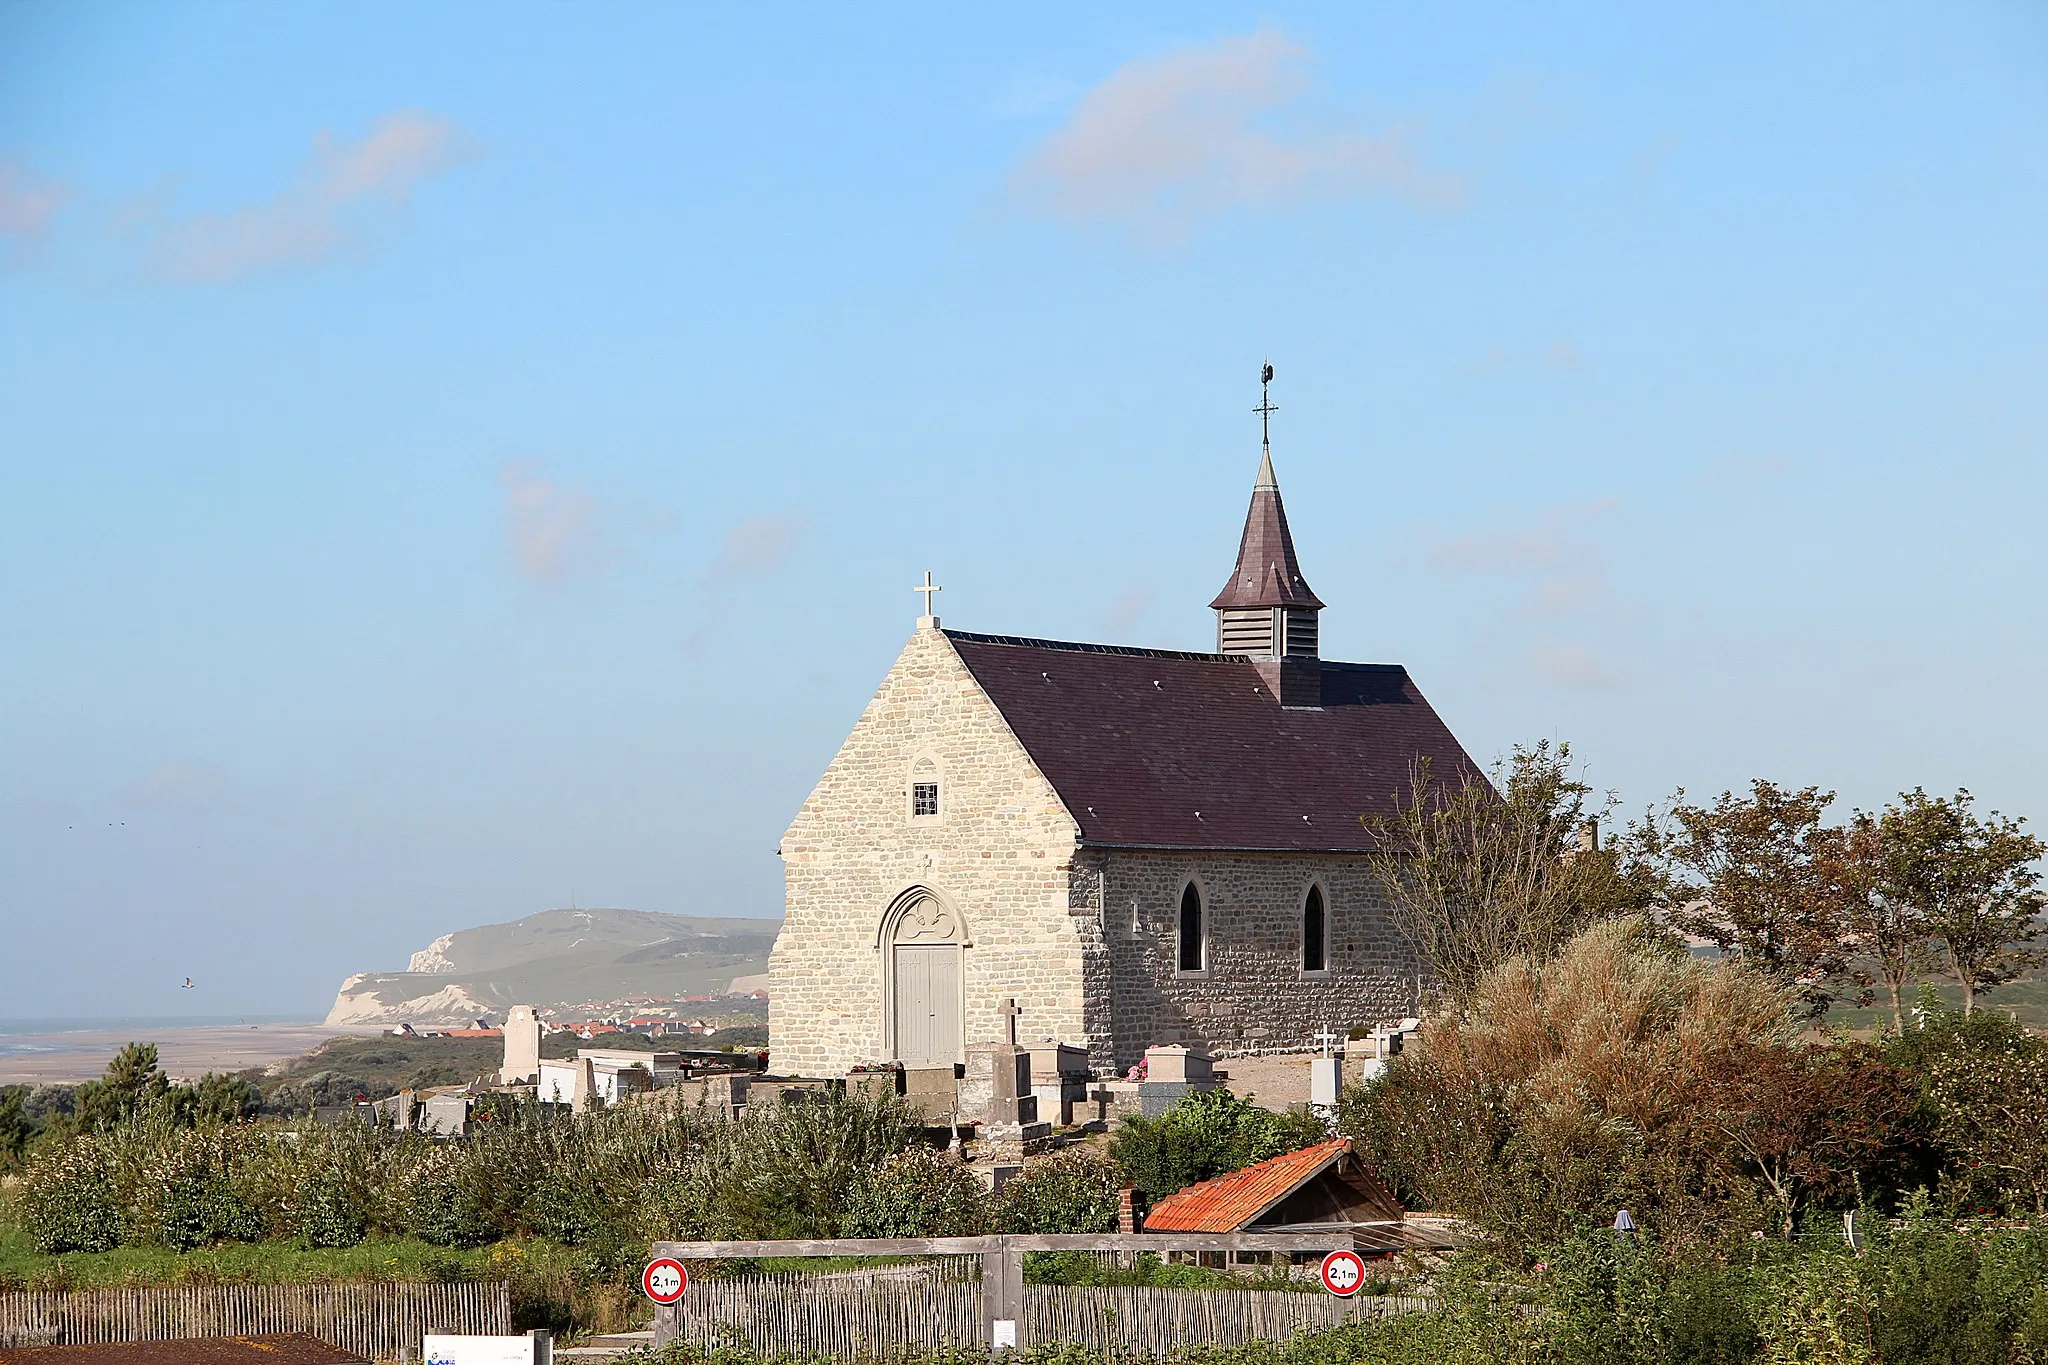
[
  {"x": 1314, "y": 932},
  {"x": 1193, "y": 956}
]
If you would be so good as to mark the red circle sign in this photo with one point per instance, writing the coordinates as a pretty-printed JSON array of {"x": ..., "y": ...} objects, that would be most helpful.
[
  {"x": 665, "y": 1280},
  {"x": 1343, "y": 1273}
]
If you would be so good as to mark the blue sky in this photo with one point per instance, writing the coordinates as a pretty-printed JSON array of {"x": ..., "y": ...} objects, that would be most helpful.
[{"x": 457, "y": 458}]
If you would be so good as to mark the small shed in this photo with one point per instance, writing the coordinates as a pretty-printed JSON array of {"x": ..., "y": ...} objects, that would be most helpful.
[
  {"x": 1324, "y": 1187},
  {"x": 285, "y": 1348}
]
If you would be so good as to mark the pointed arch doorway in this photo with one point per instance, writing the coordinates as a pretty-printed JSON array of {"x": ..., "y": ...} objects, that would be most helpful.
[{"x": 921, "y": 942}]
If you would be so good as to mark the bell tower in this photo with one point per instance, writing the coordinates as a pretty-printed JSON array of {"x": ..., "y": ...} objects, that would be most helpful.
[{"x": 1266, "y": 610}]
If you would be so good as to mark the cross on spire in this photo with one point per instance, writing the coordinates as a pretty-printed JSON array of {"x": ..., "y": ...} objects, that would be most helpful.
[
  {"x": 928, "y": 588},
  {"x": 1265, "y": 409}
]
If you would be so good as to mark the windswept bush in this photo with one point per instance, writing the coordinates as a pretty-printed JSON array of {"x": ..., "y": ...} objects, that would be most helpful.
[
  {"x": 787, "y": 1170},
  {"x": 190, "y": 1191},
  {"x": 69, "y": 1201},
  {"x": 1207, "y": 1134},
  {"x": 1596, "y": 1080},
  {"x": 1073, "y": 1191},
  {"x": 918, "y": 1192}
]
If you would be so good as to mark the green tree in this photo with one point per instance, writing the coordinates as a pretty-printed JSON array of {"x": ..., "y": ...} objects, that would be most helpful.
[
  {"x": 1972, "y": 882},
  {"x": 225, "y": 1099},
  {"x": 131, "y": 1081},
  {"x": 1481, "y": 871},
  {"x": 17, "y": 1128},
  {"x": 1888, "y": 928},
  {"x": 1755, "y": 875},
  {"x": 1207, "y": 1134}
]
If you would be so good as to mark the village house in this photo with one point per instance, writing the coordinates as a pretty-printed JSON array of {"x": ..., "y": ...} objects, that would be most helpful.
[{"x": 1139, "y": 846}]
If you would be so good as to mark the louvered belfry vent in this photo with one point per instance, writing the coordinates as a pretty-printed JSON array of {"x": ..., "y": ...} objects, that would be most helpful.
[{"x": 1267, "y": 610}]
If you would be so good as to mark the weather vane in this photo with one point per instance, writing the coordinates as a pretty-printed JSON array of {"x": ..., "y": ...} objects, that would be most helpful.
[{"x": 1265, "y": 409}]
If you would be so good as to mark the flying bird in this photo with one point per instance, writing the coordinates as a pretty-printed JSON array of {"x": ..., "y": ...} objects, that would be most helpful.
[{"x": 188, "y": 983}]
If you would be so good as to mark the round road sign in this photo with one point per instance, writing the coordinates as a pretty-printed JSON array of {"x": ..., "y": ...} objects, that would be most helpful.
[
  {"x": 665, "y": 1280},
  {"x": 1343, "y": 1273}
]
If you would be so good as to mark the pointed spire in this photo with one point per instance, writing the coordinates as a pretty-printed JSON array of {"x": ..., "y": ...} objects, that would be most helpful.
[
  {"x": 1267, "y": 573},
  {"x": 1267, "y": 609}
]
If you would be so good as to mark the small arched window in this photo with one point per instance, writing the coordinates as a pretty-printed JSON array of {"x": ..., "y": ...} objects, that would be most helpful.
[
  {"x": 1314, "y": 932},
  {"x": 1192, "y": 956},
  {"x": 924, "y": 789}
]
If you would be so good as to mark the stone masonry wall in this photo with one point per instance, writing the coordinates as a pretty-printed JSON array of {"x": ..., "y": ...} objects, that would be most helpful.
[
  {"x": 1000, "y": 853},
  {"x": 1253, "y": 993}
]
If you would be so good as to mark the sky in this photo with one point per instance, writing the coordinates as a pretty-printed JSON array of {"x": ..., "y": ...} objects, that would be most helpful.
[{"x": 466, "y": 459}]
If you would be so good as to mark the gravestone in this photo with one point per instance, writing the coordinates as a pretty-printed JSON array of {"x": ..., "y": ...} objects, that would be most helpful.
[{"x": 1172, "y": 1073}]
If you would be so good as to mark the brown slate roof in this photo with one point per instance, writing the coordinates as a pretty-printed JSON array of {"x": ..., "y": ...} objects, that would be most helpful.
[
  {"x": 1158, "y": 749},
  {"x": 1267, "y": 573},
  {"x": 285, "y": 1348}
]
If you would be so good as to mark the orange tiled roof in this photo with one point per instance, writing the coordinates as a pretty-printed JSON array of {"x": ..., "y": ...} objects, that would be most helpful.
[{"x": 1228, "y": 1202}]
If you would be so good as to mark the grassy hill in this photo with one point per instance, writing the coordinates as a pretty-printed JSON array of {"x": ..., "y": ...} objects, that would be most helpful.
[{"x": 560, "y": 958}]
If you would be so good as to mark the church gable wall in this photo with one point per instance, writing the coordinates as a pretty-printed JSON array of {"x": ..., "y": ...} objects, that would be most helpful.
[
  {"x": 998, "y": 852},
  {"x": 1252, "y": 992}
]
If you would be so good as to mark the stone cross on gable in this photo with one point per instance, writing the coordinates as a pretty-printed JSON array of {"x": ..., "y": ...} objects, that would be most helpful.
[
  {"x": 928, "y": 588},
  {"x": 1011, "y": 1011}
]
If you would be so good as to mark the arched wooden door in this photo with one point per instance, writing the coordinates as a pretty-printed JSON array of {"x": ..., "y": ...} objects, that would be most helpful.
[{"x": 924, "y": 983}]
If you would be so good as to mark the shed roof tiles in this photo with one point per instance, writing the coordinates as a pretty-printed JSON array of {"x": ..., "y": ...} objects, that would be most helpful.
[{"x": 1229, "y": 1202}]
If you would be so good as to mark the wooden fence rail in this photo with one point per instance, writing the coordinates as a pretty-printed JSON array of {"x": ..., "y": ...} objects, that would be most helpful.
[
  {"x": 801, "y": 1315},
  {"x": 372, "y": 1320}
]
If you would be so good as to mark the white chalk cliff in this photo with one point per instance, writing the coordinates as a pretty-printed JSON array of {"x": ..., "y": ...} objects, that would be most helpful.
[{"x": 558, "y": 957}]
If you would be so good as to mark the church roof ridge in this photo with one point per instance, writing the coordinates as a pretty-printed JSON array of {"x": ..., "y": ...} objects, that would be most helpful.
[
  {"x": 1083, "y": 647},
  {"x": 1145, "y": 652}
]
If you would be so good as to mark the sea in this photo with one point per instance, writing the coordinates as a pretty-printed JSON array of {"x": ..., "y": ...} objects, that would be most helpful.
[{"x": 21, "y": 1037}]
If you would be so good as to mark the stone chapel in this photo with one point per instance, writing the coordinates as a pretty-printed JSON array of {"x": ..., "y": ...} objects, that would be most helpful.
[{"x": 1139, "y": 846}]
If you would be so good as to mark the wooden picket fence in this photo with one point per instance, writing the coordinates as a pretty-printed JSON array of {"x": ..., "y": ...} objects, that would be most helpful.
[
  {"x": 1130, "y": 1319},
  {"x": 372, "y": 1320},
  {"x": 805, "y": 1315}
]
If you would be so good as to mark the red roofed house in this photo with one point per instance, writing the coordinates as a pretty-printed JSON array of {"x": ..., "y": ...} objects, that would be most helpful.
[
  {"x": 1317, "y": 1188},
  {"x": 1140, "y": 846}
]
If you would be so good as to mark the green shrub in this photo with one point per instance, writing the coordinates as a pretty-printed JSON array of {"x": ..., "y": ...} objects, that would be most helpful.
[
  {"x": 1071, "y": 1192},
  {"x": 442, "y": 1206},
  {"x": 1207, "y": 1134},
  {"x": 68, "y": 1199},
  {"x": 188, "y": 1195},
  {"x": 917, "y": 1193}
]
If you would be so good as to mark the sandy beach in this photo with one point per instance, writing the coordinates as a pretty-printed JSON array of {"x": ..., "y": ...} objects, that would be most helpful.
[{"x": 185, "y": 1053}]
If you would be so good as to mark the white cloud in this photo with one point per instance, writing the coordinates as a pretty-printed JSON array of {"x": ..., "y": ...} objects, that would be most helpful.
[
  {"x": 552, "y": 531},
  {"x": 1552, "y": 553},
  {"x": 343, "y": 193},
  {"x": 758, "y": 547},
  {"x": 189, "y": 783},
  {"x": 1568, "y": 665},
  {"x": 28, "y": 203},
  {"x": 1168, "y": 140}
]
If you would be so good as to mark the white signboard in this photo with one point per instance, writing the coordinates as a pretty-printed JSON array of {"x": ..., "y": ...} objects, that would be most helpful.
[
  {"x": 438, "y": 1350},
  {"x": 1005, "y": 1334}
]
